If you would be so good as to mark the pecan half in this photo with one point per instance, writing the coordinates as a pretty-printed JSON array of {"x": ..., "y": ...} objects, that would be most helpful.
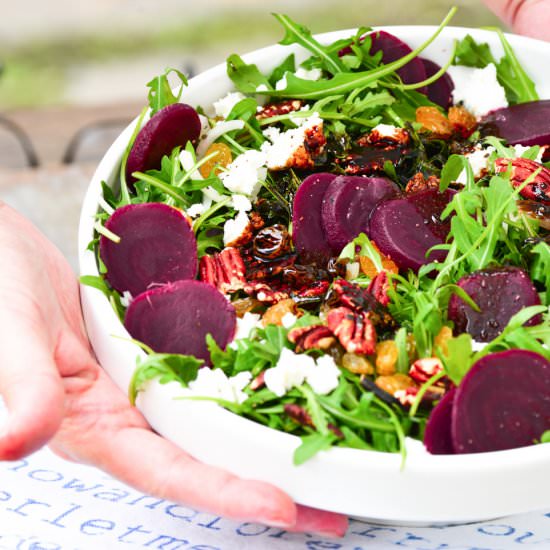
[
  {"x": 311, "y": 337},
  {"x": 279, "y": 108},
  {"x": 224, "y": 270},
  {"x": 264, "y": 293},
  {"x": 423, "y": 369},
  {"x": 379, "y": 287},
  {"x": 271, "y": 242},
  {"x": 522, "y": 169},
  {"x": 354, "y": 330}
]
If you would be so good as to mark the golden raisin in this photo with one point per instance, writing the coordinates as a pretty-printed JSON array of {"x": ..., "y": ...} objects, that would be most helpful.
[
  {"x": 440, "y": 341},
  {"x": 463, "y": 121},
  {"x": 433, "y": 120},
  {"x": 221, "y": 159},
  {"x": 275, "y": 313},
  {"x": 357, "y": 364},
  {"x": 386, "y": 357},
  {"x": 394, "y": 383},
  {"x": 244, "y": 305},
  {"x": 368, "y": 267}
]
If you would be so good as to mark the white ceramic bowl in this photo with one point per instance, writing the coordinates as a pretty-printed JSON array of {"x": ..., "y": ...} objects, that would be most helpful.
[{"x": 367, "y": 484}]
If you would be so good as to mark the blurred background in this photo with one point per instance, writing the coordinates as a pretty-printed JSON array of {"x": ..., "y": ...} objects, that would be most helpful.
[{"x": 73, "y": 74}]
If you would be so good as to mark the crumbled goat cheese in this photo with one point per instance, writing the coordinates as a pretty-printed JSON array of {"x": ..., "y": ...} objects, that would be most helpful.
[
  {"x": 323, "y": 378},
  {"x": 520, "y": 149},
  {"x": 289, "y": 372},
  {"x": 126, "y": 298},
  {"x": 211, "y": 194},
  {"x": 479, "y": 161},
  {"x": 215, "y": 383},
  {"x": 246, "y": 324},
  {"x": 352, "y": 270},
  {"x": 223, "y": 106},
  {"x": 387, "y": 130},
  {"x": 293, "y": 369},
  {"x": 218, "y": 130},
  {"x": 241, "y": 203},
  {"x": 246, "y": 173},
  {"x": 478, "y": 346},
  {"x": 196, "y": 210},
  {"x": 234, "y": 229},
  {"x": 288, "y": 319},
  {"x": 304, "y": 74},
  {"x": 477, "y": 89},
  {"x": 281, "y": 84},
  {"x": 284, "y": 145},
  {"x": 205, "y": 126}
]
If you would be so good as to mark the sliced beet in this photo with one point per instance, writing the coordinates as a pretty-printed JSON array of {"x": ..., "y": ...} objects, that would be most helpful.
[
  {"x": 307, "y": 229},
  {"x": 437, "y": 436},
  {"x": 524, "y": 123},
  {"x": 440, "y": 91},
  {"x": 499, "y": 293},
  {"x": 393, "y": 49},
  {"x": 502, "y": 403},
  {"x": 405, "y": 229},
  {"x": 348, "y": 204},
  {"x": 157, "y": 246},
  {"x": 176, "y": 317},
  {"x": 170, "y": 127}
]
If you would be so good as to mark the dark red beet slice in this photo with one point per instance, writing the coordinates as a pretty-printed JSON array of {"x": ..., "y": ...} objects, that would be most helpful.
[
  {"x": 393, "y": 49},
  {"x": 441, "y": 90},
  {"x": 348, "y": 204},
  {"x": 157, "y": 246},
  {"x": 307, "y": 229},
  {"x": 405, "y": 229},
  {"x": 437, "y": 436},
  {"x": 500, "y": 293},
  {"x": 502, "y": 403},
  {"x": 174, "y": 125},
  {"x": 525, "y": 123},
  {"x": 176, "y": 317}
]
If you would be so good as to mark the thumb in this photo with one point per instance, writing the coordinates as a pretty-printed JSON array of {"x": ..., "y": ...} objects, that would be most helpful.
[
  {"x": 527, "y": 17},
  {"x": 30, "y": 385}
]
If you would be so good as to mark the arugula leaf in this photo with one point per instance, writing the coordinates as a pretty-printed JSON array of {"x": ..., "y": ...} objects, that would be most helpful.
[
  {"x": 311, "y": 445},
  {"x": 540, "y": 268},
  {"x": 472, "y": 54},
  {"x": 545, "y": 437},
  {"x": 288, "y": 65},
  {"x": 247, "y": 78},
  {"x": 166, "y": 368},
  {"x": 298, "y": 34},
  {"x": 343, "y": 82},
  {"x": 160, "y": 92},
  {"x": 366, "y": 248},
  {"x": 459, "y": 357}
]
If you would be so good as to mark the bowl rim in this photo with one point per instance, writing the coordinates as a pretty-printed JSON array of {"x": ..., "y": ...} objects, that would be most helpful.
[{"x": 96, "y": 306}]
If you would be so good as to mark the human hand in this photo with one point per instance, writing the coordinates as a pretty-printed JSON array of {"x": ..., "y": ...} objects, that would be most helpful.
[
  {"x": 55, "y": 391},
  {"x": 528, "y": 17}
]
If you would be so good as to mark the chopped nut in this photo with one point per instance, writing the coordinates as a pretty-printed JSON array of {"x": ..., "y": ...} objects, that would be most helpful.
[
  {"x": 311, "y": 337},
  {"x": 522, "y": 169},
  {"x": 423, "y": 369},
  {"x": 264, "y": 293},
  {"x": 258, "y": 382},
  {"x": 386, "y": 357},
  {"x": 275, "y": 313},
  {"x": 225, "y": 270},
  {"x": 279, "y": 108},
  {"x": 419, "y": 183},
  {"x": 357, "y": 364},
  {"x": 354, "y": 330}
]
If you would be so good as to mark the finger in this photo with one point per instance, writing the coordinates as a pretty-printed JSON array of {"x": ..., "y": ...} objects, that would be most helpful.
[
  {"x": 311, "y": 520},
  {"x": 527, "y": 17},
  {"x": 30, "y": 385}
]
